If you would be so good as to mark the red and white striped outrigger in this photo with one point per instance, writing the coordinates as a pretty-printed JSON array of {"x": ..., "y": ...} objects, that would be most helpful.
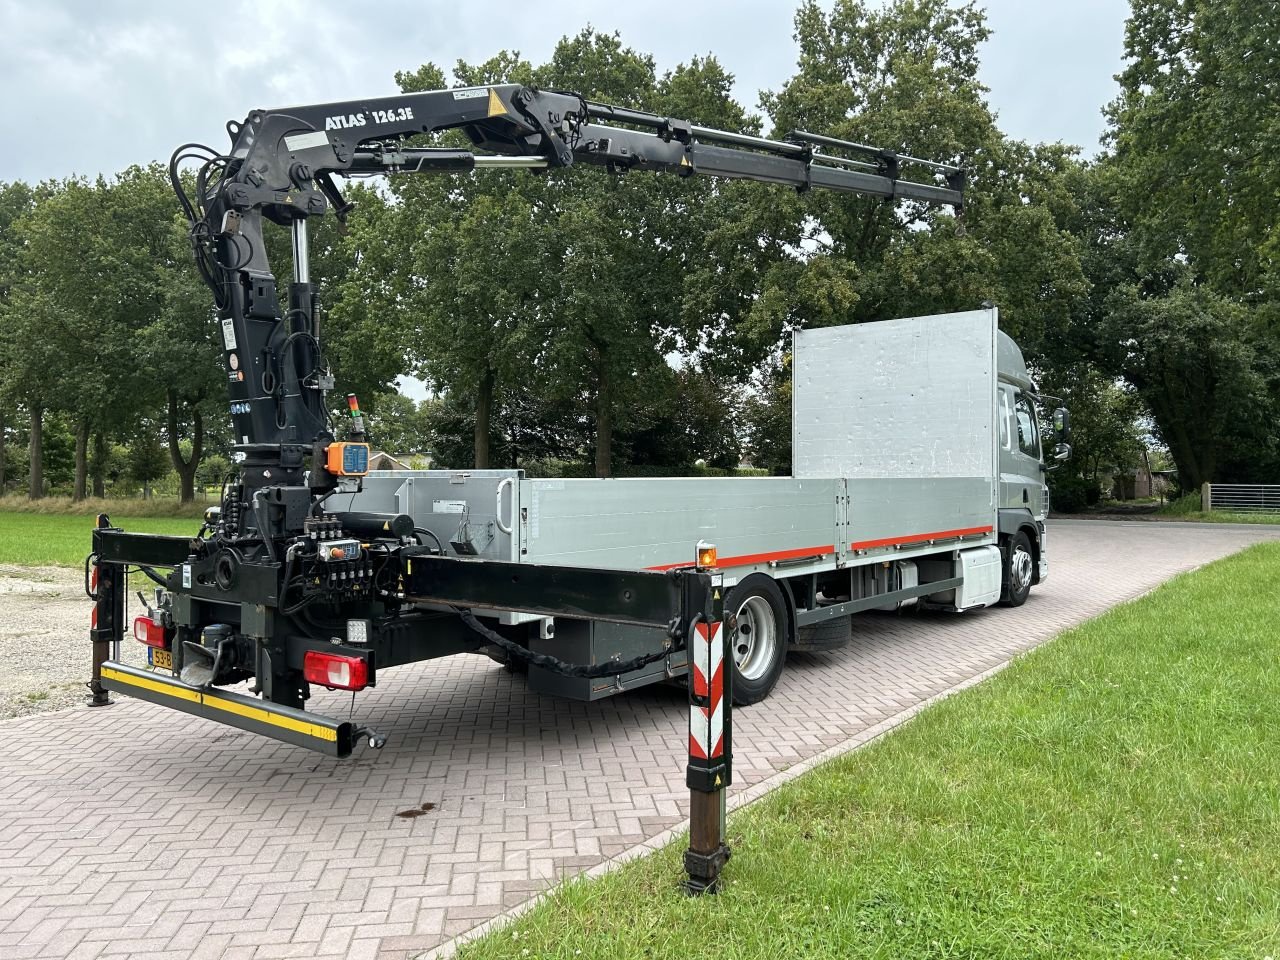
[
  {"x": 709, "y": 772},
  {"x": 706, "y": 723}
]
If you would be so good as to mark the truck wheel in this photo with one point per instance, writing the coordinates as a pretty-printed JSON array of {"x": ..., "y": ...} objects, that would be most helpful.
[
  {"x": 1019, "y": 569},
  {"x": 759, "y": 639}
]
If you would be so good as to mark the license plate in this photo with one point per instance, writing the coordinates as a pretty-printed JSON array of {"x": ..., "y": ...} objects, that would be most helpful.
[{"x": 160, "y": 658}]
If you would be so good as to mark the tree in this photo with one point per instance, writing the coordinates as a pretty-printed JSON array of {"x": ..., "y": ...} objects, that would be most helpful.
[
  {"x": 768, "y": 418},
  {"x": 1105, "y": 433},
  {"x": 691, "y": 418},
  {"x": 1197, "y": 150},
  {"x": 1193, "y": 359},
  {"x": 905, "y": 77},
  {"x": 573, "y": 277},
  {"x": 181, "y": 349},
  {"x": 148, "y": 460},
  {"x": 16, "y": 201},
  {"x": 214, "y": 469},
  {"x": 1183, "y": 236},
  {"x": 397, "y": 424},
  {"x": 92, "y": 261}
]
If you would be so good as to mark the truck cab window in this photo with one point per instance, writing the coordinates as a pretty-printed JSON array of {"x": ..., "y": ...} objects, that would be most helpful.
[
  {"x": 1028, "y": 439},
  {"x": 1006, "y": 419}
]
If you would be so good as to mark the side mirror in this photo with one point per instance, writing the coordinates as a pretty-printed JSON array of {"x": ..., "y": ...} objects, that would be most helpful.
[
  {"x": 1062, "y": 451},
  {"x": 1062, "y": 425}
]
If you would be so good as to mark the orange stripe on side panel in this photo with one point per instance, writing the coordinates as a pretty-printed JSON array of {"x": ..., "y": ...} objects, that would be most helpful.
[
  {"x": 749, "y": 559},
  {"x": 918, "y": 538}
]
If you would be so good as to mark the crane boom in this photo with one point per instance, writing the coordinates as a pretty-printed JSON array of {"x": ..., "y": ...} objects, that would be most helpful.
[{"x": 281, "y": 167}]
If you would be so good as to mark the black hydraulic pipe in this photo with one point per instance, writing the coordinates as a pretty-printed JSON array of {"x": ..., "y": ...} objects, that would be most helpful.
[{"x": 371, "y": 526}]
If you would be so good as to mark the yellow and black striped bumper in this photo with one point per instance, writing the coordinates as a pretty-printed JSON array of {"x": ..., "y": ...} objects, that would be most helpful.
[{"x": 237, "y": 710}]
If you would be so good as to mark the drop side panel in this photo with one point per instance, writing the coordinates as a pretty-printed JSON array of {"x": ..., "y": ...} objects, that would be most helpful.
[{"x": 646, "y": 523}]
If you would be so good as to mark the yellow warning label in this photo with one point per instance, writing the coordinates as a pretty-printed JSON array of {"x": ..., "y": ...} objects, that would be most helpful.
[
  {"x": 717, "y": 779},
  {"x": 684, "y": 162},
  {"x": 716, "y": 595},
  {"x": 496, "y": 109}
]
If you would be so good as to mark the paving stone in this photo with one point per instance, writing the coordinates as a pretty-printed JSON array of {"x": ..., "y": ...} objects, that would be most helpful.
[{"x": 136, "y": 830}]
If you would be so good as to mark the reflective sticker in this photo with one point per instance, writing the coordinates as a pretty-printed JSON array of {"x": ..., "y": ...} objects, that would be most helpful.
[
  {"x": 496, "y": 109},
  {"x": 706, "y": 724},
  {"x": 304, "y": 141}
]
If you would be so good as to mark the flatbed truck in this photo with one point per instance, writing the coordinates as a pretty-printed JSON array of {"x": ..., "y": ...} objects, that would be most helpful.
[{"x": 917, "y": 479}]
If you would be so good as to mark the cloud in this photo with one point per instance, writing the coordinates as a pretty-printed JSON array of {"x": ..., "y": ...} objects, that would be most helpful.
[{"x": 91, "y": 87}]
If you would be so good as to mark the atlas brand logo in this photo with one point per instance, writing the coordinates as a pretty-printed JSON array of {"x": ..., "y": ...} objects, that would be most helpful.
[{"x": 344, "y": 122}]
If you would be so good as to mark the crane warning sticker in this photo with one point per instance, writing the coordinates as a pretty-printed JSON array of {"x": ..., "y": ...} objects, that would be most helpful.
[
  {"x": 473, "y": 93},
  {"x": 229, "y": 334}
]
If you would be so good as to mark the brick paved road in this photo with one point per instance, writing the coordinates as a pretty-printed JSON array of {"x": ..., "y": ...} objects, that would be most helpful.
[{"x": 137, "y": 830}]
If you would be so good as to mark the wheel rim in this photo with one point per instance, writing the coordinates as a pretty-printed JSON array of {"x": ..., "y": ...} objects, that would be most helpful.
[
  {"x": 1021, "y": 569},
  {"x": 755, "y": 639}
]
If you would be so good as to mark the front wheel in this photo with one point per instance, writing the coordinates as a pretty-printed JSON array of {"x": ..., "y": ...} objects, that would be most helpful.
[
  {"x": 1019, "y": 568},
  {"x": 759, "y": 637}
]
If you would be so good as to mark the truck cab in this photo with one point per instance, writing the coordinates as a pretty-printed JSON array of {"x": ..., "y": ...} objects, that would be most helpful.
[{"x": 1023, "y": 494}]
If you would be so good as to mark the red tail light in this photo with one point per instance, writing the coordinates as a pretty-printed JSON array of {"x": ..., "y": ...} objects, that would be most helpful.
[
  {"x": 335, "y": 670},
  {"x": 146, "y": 630}
]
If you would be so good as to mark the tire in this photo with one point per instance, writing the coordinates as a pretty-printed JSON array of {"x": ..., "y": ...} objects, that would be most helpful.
[
  {"x": 759, "y": 639},
  {"x": 825, "y": 634},
  {"x": 1019, "y": 570}
]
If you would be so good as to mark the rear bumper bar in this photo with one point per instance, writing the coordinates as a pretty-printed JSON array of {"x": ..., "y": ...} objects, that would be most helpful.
[{"x": 331, "y": 737}]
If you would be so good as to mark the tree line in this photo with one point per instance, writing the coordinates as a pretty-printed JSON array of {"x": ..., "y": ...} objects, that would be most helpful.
[{"x": 628, "y": 323}]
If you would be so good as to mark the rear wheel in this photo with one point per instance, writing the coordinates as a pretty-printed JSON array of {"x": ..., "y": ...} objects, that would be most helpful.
[
  {"x": 759, "y": 638},
  {"x": 1019, "y": 570}
]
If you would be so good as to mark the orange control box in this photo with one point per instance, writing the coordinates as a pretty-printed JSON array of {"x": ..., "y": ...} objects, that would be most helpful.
[{"x": 347, "y": 459}]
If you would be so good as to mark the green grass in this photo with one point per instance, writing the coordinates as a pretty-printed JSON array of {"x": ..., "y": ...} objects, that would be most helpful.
[
  {"x": 155, "y": 507},
  {"x": 1222, "y": 516},
  {"x": 1113, "y": 794},
  {"x": 1188, "y": 508},
  {"x": 63, "y": 540}
]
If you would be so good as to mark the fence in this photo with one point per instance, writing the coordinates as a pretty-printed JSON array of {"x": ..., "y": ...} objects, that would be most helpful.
[{"x": 1241, "y": 497}]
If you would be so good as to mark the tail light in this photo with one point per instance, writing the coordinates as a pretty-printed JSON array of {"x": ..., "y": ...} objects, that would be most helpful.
[
  {"x": 335, "y": 670},
  {"x": 148, "y": 631}
]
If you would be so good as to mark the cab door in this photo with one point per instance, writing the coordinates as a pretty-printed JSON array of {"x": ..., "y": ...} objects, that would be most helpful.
[{"x": 1021, "y": 466}]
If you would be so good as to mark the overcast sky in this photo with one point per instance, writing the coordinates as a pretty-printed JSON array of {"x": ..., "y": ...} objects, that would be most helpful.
[{"x": 91, "y": 86}]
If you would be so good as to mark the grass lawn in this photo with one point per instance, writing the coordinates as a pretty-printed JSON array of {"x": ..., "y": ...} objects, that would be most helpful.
[
  {"x": 1188, "y": 508},
  {"x": 1113, "y": 794},
  {"x": 63, "y": 540},
  {"x": 1222, "y": 516}
]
